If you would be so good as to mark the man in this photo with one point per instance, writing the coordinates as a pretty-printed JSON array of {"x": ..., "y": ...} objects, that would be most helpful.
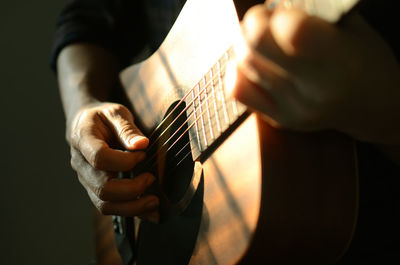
[{"x": 305, "y": 73}]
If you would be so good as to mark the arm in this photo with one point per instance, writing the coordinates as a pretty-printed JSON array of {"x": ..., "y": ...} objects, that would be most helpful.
[
  {"x": 91, "y": 45},
  {"x": 86, "y": 75}
]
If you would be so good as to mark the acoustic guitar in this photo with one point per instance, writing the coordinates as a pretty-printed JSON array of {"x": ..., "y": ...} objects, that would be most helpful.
[{"x": 232, "y": 189}]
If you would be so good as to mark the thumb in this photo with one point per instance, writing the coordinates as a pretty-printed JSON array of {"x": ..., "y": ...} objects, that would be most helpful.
[{"x": 129, "y": 136}]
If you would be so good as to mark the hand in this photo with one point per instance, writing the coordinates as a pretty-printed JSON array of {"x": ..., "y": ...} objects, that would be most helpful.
[
  {"x": 95, "y": 135},
  {"x": 303, "y": 73}
]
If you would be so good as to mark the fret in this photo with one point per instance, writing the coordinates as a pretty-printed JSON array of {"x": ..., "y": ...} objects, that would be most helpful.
[
  {"x": 195, "y": 120},
  {"x": 221, "y": 96},
  {"x": 217, "y": 118},
  {"x": 235, "y": 108},
  {"x": 211, "y": 111},
  {"x": 231, "y": 104},
  {"x": 229, "y": 110},
  {"x": 199, "y": 95},
  {"x": 207, "y": 105}
]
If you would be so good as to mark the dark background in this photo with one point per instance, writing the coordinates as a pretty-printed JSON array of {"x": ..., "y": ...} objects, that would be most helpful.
[{"x": 45, "y": 215}]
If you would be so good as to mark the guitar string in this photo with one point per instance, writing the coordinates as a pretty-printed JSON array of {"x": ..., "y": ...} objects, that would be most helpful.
[
  {"x": 176, "y": 156},
  {"x": 152, "y": 159},
  {"x": 207, "y": 85},
  {"x": 176, "y": 165},
  {"x": 198, "y": 97},
  {"x": 213, "y": 81},
  {"x": 187, "y": 119},
  {"x": 222, "y": 61},
  {"x": 178, "y": 139}
]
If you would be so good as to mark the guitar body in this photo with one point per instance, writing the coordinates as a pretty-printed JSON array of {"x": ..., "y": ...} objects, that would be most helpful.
[{"x": 263, "y": 195}]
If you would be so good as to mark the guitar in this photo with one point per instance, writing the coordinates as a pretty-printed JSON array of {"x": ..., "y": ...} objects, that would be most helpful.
[{"x": 232, "y": 188}]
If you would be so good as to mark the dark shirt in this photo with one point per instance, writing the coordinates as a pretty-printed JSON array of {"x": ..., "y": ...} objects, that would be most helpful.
[
  {"x": 124, "y": 27},
  {"x": 128, "y": 27}
]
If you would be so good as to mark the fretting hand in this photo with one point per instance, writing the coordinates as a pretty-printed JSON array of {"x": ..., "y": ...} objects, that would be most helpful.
[{"x": 304, "y": 73}]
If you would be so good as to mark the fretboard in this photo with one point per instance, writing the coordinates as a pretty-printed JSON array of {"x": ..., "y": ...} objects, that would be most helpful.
[{"x": 211, "y": 114}]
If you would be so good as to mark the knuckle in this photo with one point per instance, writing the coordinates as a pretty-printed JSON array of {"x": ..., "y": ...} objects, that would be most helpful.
[
  {"x": 74, "y": 138},
  {"x": 117, "y": 110},
  {"x": 256, "y": 27},
  {"x": 96, "y": 158},
  {"x": 73, "y": 163},
  {"x": 126, "y": 129},
  {"x": 122, "y": 109},
  {"x": 102, "y": 193},
  {"x": 295, "y": 40},
  {"x": 104, "y": 208},
  {"x": 291, "y": 31},
  {"x": 75, "y": 159}
]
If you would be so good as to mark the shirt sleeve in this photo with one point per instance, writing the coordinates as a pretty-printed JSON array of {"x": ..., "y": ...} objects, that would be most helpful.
[{"x": 119, "y": 26}]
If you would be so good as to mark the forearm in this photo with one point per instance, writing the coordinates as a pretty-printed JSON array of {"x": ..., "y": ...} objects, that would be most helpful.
[{"x": 86, "y": 75}]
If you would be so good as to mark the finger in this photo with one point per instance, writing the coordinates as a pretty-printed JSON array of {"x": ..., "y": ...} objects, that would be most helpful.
[
  {"x": 98, "y": 153},
  {"x": 257, "y": 36},
  {"x": 254, "y": 96},
  {"x": 120, "y": 120},
  {"x": 130, "y": 208},
  {"x": 268, "y": 93},
  {"x": 105, "y": 185},
  {"x": 289, "y": 37},
  {"x": 125, "y": 189},
  {"x": 299, "y": 35},
  {"x": 90, "y": 177},
  {"x": 263, "y": 86}
]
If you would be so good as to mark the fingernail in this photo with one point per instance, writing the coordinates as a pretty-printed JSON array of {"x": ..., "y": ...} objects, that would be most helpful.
[
  {"x": 136, "y": 139},
  {"x": 152, "y": 205}
]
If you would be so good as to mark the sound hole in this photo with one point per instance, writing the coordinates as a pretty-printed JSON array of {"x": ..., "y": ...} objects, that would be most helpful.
[
  {"x": 175, "y": 172},
  {"x": 172, "y": 241},
  {"x": 170, "y": 157}
]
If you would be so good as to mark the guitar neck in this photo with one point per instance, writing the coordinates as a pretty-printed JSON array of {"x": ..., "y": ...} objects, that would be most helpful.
[{"x": 213, "y": 115}]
